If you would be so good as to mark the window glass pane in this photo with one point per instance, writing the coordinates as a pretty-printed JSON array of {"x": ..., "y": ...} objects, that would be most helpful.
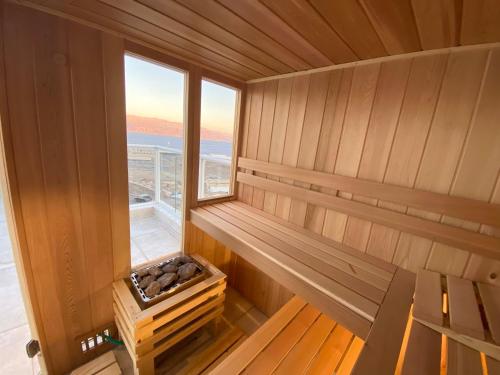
[
  {"x": 155, "y": 118},
  {"x": 218, "y": 111}
]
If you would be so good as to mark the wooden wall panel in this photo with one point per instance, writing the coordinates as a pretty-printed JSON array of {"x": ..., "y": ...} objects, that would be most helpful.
[
  {"x": 265, "y": 293},
  {"x": 57, "y": 123},
  {"x": 425, "y": 122}
]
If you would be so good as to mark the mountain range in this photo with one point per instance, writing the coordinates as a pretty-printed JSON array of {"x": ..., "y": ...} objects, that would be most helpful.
[{"x": 156, "y": 126}]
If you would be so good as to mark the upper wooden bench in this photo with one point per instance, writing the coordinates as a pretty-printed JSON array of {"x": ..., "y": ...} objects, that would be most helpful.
[{"x": 350, "y": 286}]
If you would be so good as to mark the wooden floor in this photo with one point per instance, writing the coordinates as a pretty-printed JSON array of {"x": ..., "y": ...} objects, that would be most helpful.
[
  {"x": 298, "y": 339},
  {"x": 203, "y": 350}
]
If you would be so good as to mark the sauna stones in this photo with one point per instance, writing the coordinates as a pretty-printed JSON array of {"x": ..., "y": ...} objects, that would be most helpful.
[
  {"x": 153, "y": 289},
  {"x": 186, "y": 271},
  {"x": 179, "y": 261},
  {"x": 155, "y": 271},
  {"x": 142, "y": 272},
  {"x": 144, "y": 283},
  {"x": 169, "y": 268},
  {"x": 167, "y": 279}
]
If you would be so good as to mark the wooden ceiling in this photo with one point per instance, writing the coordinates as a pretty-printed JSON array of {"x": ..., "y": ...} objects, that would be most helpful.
[{"x": 248, "y": 39}]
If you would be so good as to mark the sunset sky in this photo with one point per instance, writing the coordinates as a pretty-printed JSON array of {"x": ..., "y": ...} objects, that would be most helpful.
[{"x": 152, "y": 90}]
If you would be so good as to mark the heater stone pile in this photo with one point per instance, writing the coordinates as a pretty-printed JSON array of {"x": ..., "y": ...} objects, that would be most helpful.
[{"x": 155, "y": 279}]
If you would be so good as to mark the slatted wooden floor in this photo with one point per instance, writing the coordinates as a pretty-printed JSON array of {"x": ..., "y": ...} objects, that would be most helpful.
[{"x": 298, "y": 339}]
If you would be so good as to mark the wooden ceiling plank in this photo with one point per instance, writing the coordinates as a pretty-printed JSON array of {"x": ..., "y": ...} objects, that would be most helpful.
[
  {"x": 233, "y": 23},
  {"x": 206, "y": 27},
  {"x": 163, "y": 21},
  {"x": 350, "y": 21},
  {"x": 301, "y": 16},
  {"x": 256, "y": 13},
  {"x": 142, "y": 33},
  {"x": 480, "y": 21},
  {"x": 104, "y": 12},
  {"x": 437, "y": 22},
  {"x": 394, "y": 23}
]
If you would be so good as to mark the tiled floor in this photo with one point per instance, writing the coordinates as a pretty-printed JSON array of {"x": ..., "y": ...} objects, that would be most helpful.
[
  {"x": 150, "y": 239},
  {"x": 14, "y": 330}
]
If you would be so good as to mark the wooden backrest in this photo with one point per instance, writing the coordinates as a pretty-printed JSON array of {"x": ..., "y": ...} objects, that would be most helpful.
[{"x": 467, "y": 209}]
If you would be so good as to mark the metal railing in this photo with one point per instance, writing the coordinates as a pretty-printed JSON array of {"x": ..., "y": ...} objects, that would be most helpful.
[{"x": 155, "y": 176}]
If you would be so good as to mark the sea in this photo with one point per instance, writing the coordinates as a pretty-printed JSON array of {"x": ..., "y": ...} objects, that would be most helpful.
[{"x": 176, "y": 143}]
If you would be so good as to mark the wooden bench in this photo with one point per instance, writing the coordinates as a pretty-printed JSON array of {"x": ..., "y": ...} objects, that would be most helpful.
[
  {"x": 349, "y": 286},
  {"x": 426, "y": 351},
  {"x": 299, "y": 339},
  {"x": 346, "y": 284},
  {"x": 466, "y": 311}
]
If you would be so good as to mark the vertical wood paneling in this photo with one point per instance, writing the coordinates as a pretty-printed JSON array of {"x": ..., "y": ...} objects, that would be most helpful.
[
  {"x": 383, "y": 121},
  {"x": 53, "y": 92},
  {"x": 18, "y": 56},
  {"x": 91, "y": 151},
  {"x": 266, "y": 128},
  {"x": 422, "y": 122},
  {"x": 252, "y": 136},
  {"x": 445, "y": 142},
  {"x": 331, "y": 129},
  {"x": 65, "y": 99},
  {"x": 281, "y": 111},
  {"x": 298, "y": 102},
  {"x": 363, "y": 87},
  {"x": 114, "y": 87},
  {"x": 310, "y": 137}
]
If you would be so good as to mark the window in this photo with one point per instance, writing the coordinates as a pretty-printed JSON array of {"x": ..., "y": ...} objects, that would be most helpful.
[
  {"x": 155, "y": 130},
  {"x": 217, "y": 123}
]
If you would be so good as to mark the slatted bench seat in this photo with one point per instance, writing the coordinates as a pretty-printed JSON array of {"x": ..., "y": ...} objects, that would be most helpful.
[
  {"x": 349, "y": 286},
  {"x": 466, "y": 311}
]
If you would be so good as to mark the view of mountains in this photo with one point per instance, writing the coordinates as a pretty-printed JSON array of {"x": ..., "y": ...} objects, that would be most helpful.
[{"x": 156, "y": 126}]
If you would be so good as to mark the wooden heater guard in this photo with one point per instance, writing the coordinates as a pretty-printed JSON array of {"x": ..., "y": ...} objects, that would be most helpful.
[{"x": 148, "y": 333}]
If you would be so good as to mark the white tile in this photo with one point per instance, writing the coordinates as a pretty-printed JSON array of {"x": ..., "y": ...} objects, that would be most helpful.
[
  {"x": 13, "y": 353},
  {"x": 13, "y": 313}
]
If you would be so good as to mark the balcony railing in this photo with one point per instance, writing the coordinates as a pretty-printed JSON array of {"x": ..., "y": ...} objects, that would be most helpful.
[{"x": 155, "y": 176}]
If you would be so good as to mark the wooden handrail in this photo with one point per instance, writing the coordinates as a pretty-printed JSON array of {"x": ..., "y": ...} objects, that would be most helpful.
[
  {"x": 446, "y": 234},
  {"x": 462, "y": 208}
]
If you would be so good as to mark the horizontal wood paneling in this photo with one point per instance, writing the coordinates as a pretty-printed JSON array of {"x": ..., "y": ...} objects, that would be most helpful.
[
  {"x": 424, "y": 122},
  {"x": 64, "y": 123},
  {"x": 249, "y": 39},
  {"x": 265, "y": 293}
]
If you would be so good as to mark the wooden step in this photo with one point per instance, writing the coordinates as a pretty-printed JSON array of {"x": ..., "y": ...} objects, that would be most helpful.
[{"x": 465, "y": 311}]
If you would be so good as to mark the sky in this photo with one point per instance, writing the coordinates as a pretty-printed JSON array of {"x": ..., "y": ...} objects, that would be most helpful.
[{"x": 153, "y": 90}]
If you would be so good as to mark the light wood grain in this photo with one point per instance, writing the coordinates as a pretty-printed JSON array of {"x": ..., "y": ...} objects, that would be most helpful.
[
  {"x": 464, "y": 312},
  {"x": 462, "y": 360},
  {"x": 428, "y": 300},
  {"x": 490, "y": 296},
  {"x": 423, "y": 354},
  {"x": 482, "y": 244},
  {"x": 468, "y": 209}
]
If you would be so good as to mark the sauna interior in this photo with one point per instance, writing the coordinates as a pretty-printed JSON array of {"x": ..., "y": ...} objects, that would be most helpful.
[{"x": 346, "y": 221}]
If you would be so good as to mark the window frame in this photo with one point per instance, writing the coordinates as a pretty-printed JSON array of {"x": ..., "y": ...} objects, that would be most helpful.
[{"x": 235, "y": 151}]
